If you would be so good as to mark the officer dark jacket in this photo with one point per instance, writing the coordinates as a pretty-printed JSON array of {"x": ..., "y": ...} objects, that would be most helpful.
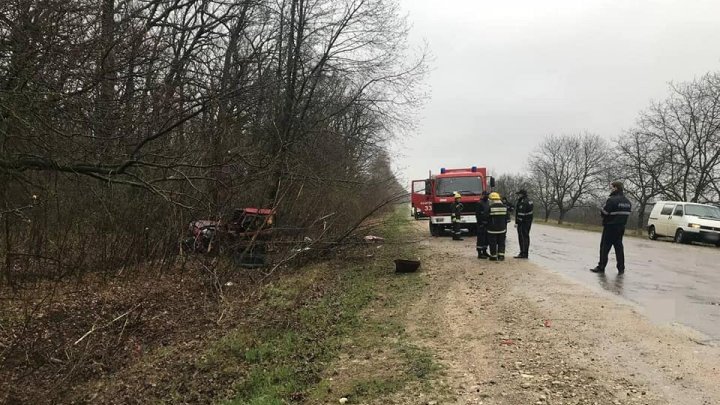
[
  {"x": 482, "y": 211},
  {"x": 497, "y": 217},
  {"x": 523, "y": 210},
  {"x": 616, "y": 210},
  {"x": 457, "y": 209}
]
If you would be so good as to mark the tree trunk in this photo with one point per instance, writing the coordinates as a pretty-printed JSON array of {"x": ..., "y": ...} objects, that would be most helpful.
[
  {"x": 561, "y": 217},
  {"x": 104, "y": 106},
  {"x": 641, "y": 216}
]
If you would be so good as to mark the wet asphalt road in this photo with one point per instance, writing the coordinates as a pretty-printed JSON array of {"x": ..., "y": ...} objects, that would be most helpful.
[{"x": 670, "y": 283}]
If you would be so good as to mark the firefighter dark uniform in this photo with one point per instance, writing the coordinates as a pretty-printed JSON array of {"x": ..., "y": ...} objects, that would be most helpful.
[
  {"x": 498, "y": 218},
  {"x": 456, "y": 216},
  {"x": 523, "y": 221},
  {"x": 481, "y": 213},
  {"x": 615, "y": 215}
]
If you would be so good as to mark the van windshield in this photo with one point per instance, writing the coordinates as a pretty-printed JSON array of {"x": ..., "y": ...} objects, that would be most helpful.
[{"x": 702, "y": 211}]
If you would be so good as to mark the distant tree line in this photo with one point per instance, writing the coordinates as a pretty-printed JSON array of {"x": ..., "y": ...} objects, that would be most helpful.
[
  {"x": 672, "y": 152},
  {"x": 121, "y": 120}
]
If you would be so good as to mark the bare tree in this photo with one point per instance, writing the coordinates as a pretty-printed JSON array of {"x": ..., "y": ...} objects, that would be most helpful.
[
  {"x": 684, "y": 132},
  {"x": 509, "y": 184},
  {"x": 638, "y": 164},
  {"x": 541, "y": 187},
  {"x": 205, "y": 104},
  {"x": 573, "y": 165}
]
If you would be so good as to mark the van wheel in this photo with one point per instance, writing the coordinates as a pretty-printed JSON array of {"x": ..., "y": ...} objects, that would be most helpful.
[
  {"x": 680, "y": 236},
  {"x": 651, "y": 233}
]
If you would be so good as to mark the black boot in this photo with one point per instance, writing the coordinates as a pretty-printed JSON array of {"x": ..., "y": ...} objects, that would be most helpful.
[
  {"x": 597, "y": 269},
  {"x": 482, "y": 254}
]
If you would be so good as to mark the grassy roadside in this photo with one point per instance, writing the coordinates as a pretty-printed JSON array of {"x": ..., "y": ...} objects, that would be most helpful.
[
  {"x": 331, "y": 331},
  {"x": 312, "y": 335}
]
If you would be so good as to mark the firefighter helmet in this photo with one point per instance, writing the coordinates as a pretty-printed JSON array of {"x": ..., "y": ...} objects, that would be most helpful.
[
  {"x": 494, "y": 196},
  {"x": 456, "y": 194}
]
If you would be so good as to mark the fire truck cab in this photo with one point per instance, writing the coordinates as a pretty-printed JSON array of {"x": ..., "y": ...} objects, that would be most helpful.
[{"x": 436, "y": 199}]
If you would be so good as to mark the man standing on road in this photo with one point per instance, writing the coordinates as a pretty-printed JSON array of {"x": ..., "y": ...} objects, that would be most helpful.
[
  {"x": 523, "y": 222},
  {"x": 497, "y": 220},
  {"x": 457, "y": 209},
  {"x": 483, "y": 208},
  {"x": 615, "y": 214}
]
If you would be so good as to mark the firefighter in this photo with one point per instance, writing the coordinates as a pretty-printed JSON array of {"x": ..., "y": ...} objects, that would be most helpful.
[
  {"x": 456, "y": 216},
  {"x": 523, "y": 222},
  {"x": 483, "y": 208},
  {"x": 614, "y": 214},
  {"x": 498, "y": 218}
]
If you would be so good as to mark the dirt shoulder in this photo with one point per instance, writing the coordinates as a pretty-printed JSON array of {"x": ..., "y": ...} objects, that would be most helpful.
[{"x": 515, "y": 333}]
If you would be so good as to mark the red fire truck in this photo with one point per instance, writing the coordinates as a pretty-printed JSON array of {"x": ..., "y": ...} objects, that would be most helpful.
[{"x": 433, "y": 197}]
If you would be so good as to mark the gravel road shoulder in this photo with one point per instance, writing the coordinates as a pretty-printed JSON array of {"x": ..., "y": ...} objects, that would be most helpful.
[{"x": 516, "y": 333}]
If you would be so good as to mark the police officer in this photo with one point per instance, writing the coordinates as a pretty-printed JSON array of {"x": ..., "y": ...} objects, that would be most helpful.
[
  {"x": 614, "y": 214},
  {"x": 456, "y": 216},
  {"x": 483, "y": 208},
  {"x": 498, "y": 218},
  {"x": 523, "y": 222}
]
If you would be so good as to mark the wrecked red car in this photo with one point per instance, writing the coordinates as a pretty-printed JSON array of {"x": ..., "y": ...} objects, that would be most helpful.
[{"x": 244, "y": 235}]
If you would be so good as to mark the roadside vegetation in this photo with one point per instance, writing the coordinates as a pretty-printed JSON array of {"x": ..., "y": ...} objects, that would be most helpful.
[
  {"x": 316, "y": 333},
  {"x": 122, "y": 122}
]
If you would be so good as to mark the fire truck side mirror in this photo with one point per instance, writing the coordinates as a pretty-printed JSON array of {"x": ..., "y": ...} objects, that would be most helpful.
[{"x": 492, "y": 182}]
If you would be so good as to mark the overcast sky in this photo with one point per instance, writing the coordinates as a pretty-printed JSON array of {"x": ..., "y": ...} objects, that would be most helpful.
[{"x": 506, "y": 73}]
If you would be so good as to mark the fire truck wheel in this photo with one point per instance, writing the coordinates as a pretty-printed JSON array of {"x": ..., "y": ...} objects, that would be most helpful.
[{"x": 434, "y": 230}]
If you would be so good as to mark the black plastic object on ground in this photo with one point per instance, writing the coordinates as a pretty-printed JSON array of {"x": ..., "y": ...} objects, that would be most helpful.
[{"x": 406, "y": 266}]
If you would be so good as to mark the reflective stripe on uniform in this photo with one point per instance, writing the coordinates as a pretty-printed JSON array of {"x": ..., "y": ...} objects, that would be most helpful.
[
  {"x": 498, "y": 209},
  {"x": 522, "y": 214},
  {"x": 620, "y": 213},
  {"x": 496, "y": 232}
]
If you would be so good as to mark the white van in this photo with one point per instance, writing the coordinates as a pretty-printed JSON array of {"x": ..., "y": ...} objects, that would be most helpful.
[{"x": 685, "y": 222}]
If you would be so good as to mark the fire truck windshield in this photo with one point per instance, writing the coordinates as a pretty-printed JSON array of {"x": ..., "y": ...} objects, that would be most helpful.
[{"x": 463, "y": 185}]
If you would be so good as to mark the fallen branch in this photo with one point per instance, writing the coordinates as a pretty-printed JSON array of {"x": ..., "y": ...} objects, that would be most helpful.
[{"x": 93, "y": 329}]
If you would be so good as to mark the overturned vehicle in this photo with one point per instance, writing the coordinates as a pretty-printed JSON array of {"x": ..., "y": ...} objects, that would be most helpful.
[{"x": 244, "y": 237}]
